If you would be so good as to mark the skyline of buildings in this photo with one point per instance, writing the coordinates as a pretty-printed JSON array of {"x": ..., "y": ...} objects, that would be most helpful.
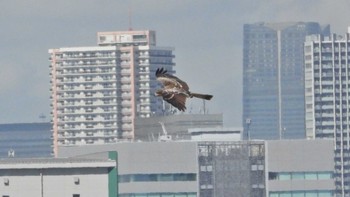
[
  {"x": 327, "y": 90},
  {"x": 98, "y": 91},
  {"x": 273, "y": 78}
]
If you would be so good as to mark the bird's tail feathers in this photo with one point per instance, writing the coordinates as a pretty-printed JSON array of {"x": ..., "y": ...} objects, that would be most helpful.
[{"x": 202, "y": 96}]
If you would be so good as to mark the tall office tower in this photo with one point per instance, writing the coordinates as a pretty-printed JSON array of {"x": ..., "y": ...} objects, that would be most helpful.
[
  {"x": 98, "y": 91},
  {"x": 327, "y": 91},
  {"x": 273, "y": 78}
]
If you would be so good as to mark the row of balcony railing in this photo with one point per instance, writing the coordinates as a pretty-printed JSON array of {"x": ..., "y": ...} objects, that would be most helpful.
[
  {"x": 330, "y": 49},
  {"x": 68, "y": 142},
  {"x": 86, "y": 134},
  {"x": 64, "y": 64},
  {"x": 75, "y": 55},
  {"x": 92, "y": 118},
  {"x": 77, "y": 127}
]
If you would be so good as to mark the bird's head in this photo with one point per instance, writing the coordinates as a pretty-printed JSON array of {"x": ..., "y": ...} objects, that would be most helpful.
[{"x": 159, "y": 93}]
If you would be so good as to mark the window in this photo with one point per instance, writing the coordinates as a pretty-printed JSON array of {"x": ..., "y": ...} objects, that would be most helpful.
[
  {"x": 6, "y": 182},
  {"x": 273, "y": 175},
  {"x": 311, "y": 176},
  {"x": 324, "y": 176},
  {"x": 286, "y": 194},
  {"x": 300, "y": 175},
  {"x": 284, "y": 176},
  {"x": 165, "y": 177},
  {"x": 157, "y": 177},
  {"x": 298, "y": 194},
  {"x": 315, "y": 193},
  {"x": 297, "y": 176},
  {"x": 76, "y": 180}
]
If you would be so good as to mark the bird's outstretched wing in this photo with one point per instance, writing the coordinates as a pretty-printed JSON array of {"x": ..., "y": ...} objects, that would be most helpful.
[
  {"x": 169, "y": 81},
  {"x": 177, "y": 100}
]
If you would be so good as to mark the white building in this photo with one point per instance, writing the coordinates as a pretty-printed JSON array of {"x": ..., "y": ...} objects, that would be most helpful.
[
  {"x": 57, "y": 177},
  {"x": 98, "y": 91},
  {"x": 327, "y": 91}
]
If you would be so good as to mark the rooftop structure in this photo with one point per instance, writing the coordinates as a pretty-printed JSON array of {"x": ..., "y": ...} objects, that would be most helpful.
[
  {"x": 177, "y": 125},
  {"x": 216, "y": 134}
]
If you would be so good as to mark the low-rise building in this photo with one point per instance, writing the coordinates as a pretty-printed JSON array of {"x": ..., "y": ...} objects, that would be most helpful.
[
  {"x": 221, "y": 168},
  {"x": 57, "y": 177},
  {"x": 177, "y": 168}
]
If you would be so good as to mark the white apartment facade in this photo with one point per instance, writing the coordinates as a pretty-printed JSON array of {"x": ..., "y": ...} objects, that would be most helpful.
[
  {"x": 327, "y": 90},
  {"x": 98, "y": 91}
]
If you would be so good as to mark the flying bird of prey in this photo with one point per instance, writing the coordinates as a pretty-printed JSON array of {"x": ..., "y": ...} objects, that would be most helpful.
[{"x": 175, "y": 91}]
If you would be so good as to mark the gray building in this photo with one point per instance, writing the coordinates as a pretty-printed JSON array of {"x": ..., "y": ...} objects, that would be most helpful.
[
  {"x": 25, "y": 140},
  {"x": 150, "y": 168},
  {"x": 221, "y": 168},
  {"x": 273, "y": 78},
  {"x": 327, "y": 63},
  {"x": 300, "y": 168}
]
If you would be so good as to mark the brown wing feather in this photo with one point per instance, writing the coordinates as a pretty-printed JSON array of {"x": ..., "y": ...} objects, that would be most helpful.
[
  {"x": 177, "y": 100},
  {"x": 170, "y": 81}
]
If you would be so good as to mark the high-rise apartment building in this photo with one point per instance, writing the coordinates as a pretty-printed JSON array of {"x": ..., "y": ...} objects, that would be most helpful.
[
  {"x": 327, "y": 91},
  {"x": 273, "y": 78},
  {"x": 98, "y": 91}
]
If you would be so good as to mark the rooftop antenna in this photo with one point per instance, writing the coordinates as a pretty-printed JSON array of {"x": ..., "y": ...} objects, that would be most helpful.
[
  {"x": 204, "y": 108},
  {"x": 164, "y": 137},
  {"x": 11, "y": 153}
]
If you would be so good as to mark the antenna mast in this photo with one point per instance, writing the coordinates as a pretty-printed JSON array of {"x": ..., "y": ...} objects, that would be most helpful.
[
  {"x": 204, "y": 108},
  {"x": 164, "y": 137}
]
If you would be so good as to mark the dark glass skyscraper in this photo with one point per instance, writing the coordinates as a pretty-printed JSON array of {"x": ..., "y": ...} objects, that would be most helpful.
[{"x": 273, "y": 78}]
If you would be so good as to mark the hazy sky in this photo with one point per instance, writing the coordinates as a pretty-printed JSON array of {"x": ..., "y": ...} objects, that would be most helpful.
[{"x": 206, "y": 35}]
